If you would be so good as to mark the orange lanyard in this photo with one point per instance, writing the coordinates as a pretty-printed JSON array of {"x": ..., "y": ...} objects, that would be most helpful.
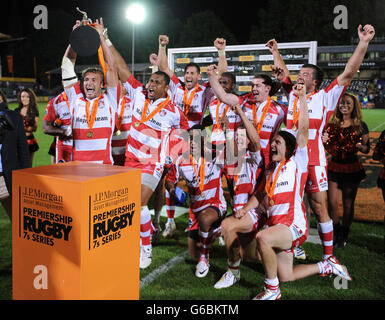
[
  {"x": 120, "y": 118},
  {"x": 187, "y": 104},
  {"x": 201, "y": 175},
  {"x": 259, "y": 124},
  {"x": 270, "y": 187},
  {"x": 144, "y": 118},
  {"x": 91, "y": 117},
  {"x": 295, "y": 112},
  {"x": 223, "y": 114}
]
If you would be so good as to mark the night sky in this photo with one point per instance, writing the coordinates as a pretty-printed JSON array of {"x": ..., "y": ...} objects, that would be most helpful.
[{"x": 17, "y": 14}]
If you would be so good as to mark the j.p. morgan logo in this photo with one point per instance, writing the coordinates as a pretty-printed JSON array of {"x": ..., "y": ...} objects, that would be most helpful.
[
  {"x": 41, "y": 195},
  {"x": 41, "y": 218}
]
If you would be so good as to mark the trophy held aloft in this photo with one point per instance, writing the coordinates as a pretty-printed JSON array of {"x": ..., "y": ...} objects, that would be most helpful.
[{"x": 85, "y": 40}]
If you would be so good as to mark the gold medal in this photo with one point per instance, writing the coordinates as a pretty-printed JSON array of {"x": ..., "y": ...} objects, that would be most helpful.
[
  {"x": 202, "y": 195},
  {"x": 271, "y": 202},
  {"x": 137, "y": 124},
  {"x": 118, "y": 132},
  {"x": 90, "y": 134},
  {"x": 294, "y": 127}
]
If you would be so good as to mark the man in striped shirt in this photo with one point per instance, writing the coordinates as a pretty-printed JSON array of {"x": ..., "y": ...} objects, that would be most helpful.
[
  {"x": 154, "y": 116},
  {"x": 92, "y": 111},
  {"x": 207, "y": 203},
  {"x": 190, "y": 96},
  {"x": 286, "y": 225},
  {"x": 322, "y": 104},
  {"x": 57, "y": 122}
]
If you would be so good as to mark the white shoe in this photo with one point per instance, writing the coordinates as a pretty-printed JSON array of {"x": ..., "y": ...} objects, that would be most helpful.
[
  {"x": 169, "y": 229},
  {"x": 145, "y": 256},
  {"x": 227, "y": 280},
  {"x": 299, "y": 253},
  {"x": 267, "y": 294},
  {"x": 338, "y": 269},
  {"x": 202, "y": 268}
]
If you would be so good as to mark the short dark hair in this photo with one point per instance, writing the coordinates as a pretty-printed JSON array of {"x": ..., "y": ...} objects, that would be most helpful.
[
  {"x": 318, "y": 74},
  {"x": 165, "y": 76},
  {"x": 290, "y": 142},
  {"x": 229, "y": 75},
  {"x": 267, "y": 80},
  {"x": 192, "y": 64}
]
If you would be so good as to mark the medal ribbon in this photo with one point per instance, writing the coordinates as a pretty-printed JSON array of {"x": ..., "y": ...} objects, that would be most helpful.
[
  {"x": 295, "y": 112},
  {"x": 258, "y": 124},
  {"x": 144, "y": 118},
  {"x": 223, "y": 114},
  {"x": 187, "y": 103},
  {"x": 91, "y": 118},
  {"x": 270, "y": 187},
  {"x": 120, "y": 118},
  {"x": 201, "y": 175}
]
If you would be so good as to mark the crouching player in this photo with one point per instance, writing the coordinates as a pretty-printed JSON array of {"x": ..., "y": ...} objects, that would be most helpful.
[{"x": 202, "y": 174}]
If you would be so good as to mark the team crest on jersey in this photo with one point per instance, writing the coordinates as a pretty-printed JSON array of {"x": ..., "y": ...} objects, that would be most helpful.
[
  {"x": 163, "y": 113},
  {"x": 168, "y": 160}
]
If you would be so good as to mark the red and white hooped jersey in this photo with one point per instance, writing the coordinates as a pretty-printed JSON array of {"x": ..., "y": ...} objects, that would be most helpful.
[
  {"x": 98, "y": 147},
  {"x": 276, "y": 114},
  {"x": 199, "y": 102},
  {"x": 218, "y": 136},
  {"x": 320, "y": 105},
  {"x": 245, "y": 179},
  {"x": 58, "y": 108},
  {"x": 148, "y": 142},
  {"x": 212, "y": 187},
  {"x": 119, "y": 141},
  {"x": 288, "y": 207}
]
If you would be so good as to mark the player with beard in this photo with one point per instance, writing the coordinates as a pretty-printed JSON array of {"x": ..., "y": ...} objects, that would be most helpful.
[{"x": 322, "y": 104}]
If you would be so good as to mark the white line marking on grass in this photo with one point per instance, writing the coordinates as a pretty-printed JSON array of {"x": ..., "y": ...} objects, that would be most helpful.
[
  {"x": 379, "y": 126},
  {"x": 162, "y": 269}
]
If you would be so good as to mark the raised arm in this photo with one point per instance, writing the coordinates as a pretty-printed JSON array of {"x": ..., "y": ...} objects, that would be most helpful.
[
  {"x": 220, "y": 44},
  {"x": 69, "y": 77},
  {"x": 162, "y": 55},
  {"x": 121, "y": 65},
  {"x": 227, "y": 98},
  {"x": 278, "y": 61},
  {"x": 251, "y": 131},
  {"x": 365, "y": 34},
  {"x": 303, "y": 119},
  {"x": 112, "y": 79}
]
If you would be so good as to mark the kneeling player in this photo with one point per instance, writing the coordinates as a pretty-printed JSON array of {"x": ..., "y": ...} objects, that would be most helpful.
[{"x": 208, "y": 205}]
